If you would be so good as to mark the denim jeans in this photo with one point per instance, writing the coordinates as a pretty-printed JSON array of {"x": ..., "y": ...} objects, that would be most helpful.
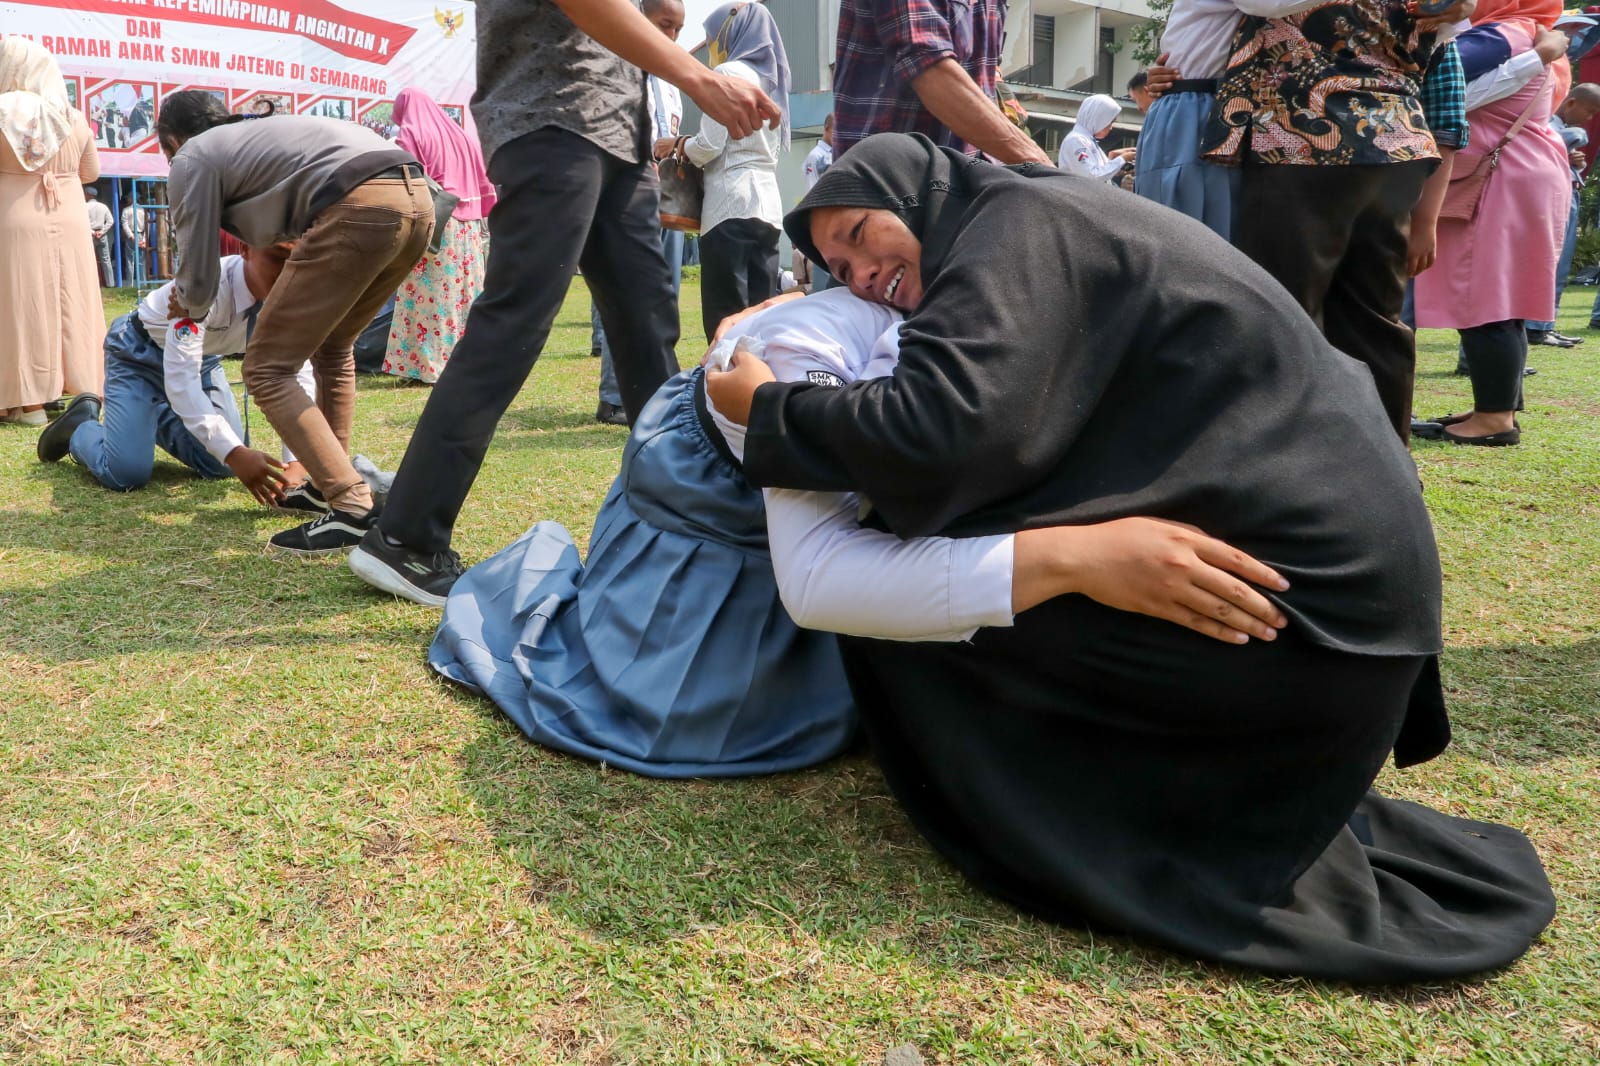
[{"x": 120, "y": 452}]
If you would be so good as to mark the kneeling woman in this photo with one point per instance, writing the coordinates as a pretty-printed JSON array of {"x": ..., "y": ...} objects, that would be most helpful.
[
  {"x": 684, "y": 647},
  {"x": 1103, "y": 766}
]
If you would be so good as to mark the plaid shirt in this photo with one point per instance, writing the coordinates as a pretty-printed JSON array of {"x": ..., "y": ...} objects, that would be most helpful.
[
  {"x": 884, "y": 44},
  {"x": 1444, "y": 97}
]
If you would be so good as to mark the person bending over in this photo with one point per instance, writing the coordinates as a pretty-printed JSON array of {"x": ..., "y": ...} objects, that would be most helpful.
[{"x": 360, "y": 214}]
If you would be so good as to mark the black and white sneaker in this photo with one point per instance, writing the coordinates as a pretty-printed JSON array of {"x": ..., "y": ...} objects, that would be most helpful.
[
  {"x": 420, "y": 577},
  {"x": 334, "y": 532},
  {"x": 303, "y": 499}
]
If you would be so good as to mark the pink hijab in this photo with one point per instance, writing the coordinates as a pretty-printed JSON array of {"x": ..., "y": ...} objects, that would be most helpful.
[{"x": 446, "y": 152}]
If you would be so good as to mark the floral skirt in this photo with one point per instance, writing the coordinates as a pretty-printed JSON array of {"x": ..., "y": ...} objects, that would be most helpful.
[{"x": 430, "y": 310}]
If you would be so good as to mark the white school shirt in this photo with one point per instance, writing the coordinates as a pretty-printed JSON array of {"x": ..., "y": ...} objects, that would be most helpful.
[
  {"x": 741, "y": 175},
  {"x": 224, "y": 331},
  {"x": 1199, "y": 33},
  {"x": 818, "y": 160},
  {"x": 666, "y": 108},
  {"x": 1505, "y": 80},
  {"x": 1081, "y": 154},
  {"x": 100, "y": 219},
  {"x": 832, "y": 573}
]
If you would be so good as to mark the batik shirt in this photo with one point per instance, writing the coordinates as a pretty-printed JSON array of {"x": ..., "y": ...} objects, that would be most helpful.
[
  {"x": 884, "y": 44},
  {"x": 1335, "y": 86}
]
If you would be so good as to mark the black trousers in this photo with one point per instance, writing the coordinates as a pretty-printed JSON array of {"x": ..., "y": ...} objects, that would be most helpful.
[
  {"x": 738, "y": 268},
  {"x": 1495, "y": 354},
  {"x": 1335, "y": 237},
  {"x": 564, "y": 203}
]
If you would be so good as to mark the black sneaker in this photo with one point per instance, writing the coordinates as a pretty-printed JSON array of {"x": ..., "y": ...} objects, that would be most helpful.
[
  {"x": 610, "y": 414},
  {"x": 53, "y": 441},
  {"x": 420, "y": 577},
  {"x": 334, "y": 532},
  {"x": 303, "y": 499}
]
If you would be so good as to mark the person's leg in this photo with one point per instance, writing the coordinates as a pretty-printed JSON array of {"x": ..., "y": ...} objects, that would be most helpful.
[
  {"x": 120, "y": 451},
  {"x": 102, "y": 251},
  {"x": 1496, "y": 352},
  {"x": 552, "y": 182},
  {"x": 597, "y": 331},
  {"x": 764, "y": 276},
  {"x": 631, "y": 284},
  {"x": 672, "y": 252},
  {"x": 1361, "y": 316},
  {"x": 330, "y": 288},
  {"x": 1296, "y": 222},
  {"x": 724, "y": 271}
]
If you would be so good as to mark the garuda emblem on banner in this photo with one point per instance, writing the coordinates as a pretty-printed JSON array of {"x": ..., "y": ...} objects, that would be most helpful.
[{"x": 449, "y": 21}]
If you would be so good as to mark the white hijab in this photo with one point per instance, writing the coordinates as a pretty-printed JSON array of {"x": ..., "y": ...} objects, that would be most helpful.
[
  {"x": 1095, "y": 114},
  {"x": 35, "y": 115}
]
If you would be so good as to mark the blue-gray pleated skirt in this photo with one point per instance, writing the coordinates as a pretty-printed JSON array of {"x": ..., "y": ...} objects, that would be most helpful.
[
  {"x": 669, "y": 653},
  {"x": 1170, "y": 169}
]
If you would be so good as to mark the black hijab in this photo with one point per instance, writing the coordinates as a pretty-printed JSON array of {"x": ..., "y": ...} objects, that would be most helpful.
[{"x": 905, "y": 173}]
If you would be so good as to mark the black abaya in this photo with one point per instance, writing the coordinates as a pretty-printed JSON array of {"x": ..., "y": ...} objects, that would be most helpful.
[{"x": 1081, "y": 355}]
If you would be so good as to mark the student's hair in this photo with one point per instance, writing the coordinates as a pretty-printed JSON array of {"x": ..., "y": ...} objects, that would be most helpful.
[
  {"x": 650, "y": 7},
  {"x": 828, "y": 120},
  {"x": 190, "y": 113},
  {"x": 1138, "y": 81}
]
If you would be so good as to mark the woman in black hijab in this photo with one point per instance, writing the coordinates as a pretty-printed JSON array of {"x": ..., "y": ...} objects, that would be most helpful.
[{"x": 1075, "y": 356}]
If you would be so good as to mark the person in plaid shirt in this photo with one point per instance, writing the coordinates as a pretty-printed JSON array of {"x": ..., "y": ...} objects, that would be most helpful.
[{"x": 929, "y": 67}]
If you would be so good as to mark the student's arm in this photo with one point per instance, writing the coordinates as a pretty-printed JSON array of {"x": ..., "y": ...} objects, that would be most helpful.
[
  {"x": 836, "y": 576},
  {"x": 1509, "y": 77},
  {"x": 619, "y": 26},
  {"x": 194, "y": 197}
]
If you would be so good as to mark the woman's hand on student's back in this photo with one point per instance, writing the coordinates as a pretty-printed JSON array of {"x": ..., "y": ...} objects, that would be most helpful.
[
  {"x": 733, "y": 390},
  {"x": 261, "y": 473},
  {"x": 733, "y": 320},
  {"x": 1151, "y": 566}
]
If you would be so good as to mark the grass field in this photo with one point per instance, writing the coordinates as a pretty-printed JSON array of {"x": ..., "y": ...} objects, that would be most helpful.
[{"x": 245, "y": 824}]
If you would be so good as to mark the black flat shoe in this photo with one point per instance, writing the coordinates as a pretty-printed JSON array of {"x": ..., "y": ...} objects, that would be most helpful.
[
  {"x": 1426, "y": 430},
  {"x": 1450, "y": 420},
  {"x": 54, "y": 441},
  {"x": 1488, "y": 440}
]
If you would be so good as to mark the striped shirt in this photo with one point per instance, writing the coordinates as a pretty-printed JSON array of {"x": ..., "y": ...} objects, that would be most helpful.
[{"x": 884, "y": 44}]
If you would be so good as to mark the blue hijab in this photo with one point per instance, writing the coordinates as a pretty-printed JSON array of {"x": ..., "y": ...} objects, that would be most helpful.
[{"x": 747, "y": 32}]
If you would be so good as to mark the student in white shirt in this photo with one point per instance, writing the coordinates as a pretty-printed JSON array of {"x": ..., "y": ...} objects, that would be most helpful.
[
  {"x": 101, "y": 223},
  {"x": 743, "y": 210},
  {"x": 681, "y": 647},
  {"x": 820, "y": 158},
  {"x": 165, "y": 387},
  {"x": 1080, "y": 150}
]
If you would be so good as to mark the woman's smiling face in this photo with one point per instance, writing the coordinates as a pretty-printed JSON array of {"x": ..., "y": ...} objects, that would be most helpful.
[{"x": 873, "y": 252}]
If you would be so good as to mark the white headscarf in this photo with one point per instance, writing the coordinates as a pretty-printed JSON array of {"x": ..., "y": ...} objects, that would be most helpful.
[
  {"x": 35, "y": 115},
  {"x": 1095, "y": 114}
]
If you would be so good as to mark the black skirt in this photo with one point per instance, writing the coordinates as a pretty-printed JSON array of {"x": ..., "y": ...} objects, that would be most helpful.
[{"x": 1104, "y": 768}]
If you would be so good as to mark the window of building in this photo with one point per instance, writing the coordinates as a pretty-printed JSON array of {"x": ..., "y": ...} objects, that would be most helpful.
[{"x": 1043, "y": 69}]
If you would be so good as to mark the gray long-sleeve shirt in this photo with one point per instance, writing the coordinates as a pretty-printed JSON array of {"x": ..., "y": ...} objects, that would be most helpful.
[{"x": 258, "y": 179}]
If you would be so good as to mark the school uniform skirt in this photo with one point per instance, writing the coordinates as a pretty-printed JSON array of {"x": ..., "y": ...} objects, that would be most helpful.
[
  {"x": 1170, "y": 170},
  {"x": 668, "y": 652}
]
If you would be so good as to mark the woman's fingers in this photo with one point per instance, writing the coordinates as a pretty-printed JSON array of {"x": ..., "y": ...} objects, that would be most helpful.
[
  {"x": 1258, "y": 619},
  {"x": 1240, "y": 599},
  {"x": 1226, "y": 557}
]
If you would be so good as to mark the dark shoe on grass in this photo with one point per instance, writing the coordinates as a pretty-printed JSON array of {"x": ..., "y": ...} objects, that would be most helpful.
[
  {"x": 421, "y": 577},
  {"x": 303, "y": 499},
  {"x": 332, "y": 534},
  {"x": 610, "y": 414},
  {"x": 53, "y": 442}
]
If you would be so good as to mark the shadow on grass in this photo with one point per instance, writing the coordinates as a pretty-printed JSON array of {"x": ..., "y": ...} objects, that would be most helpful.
[
  {"x": 1524, "y": 703},
  {"x": 174, "y": 566}
]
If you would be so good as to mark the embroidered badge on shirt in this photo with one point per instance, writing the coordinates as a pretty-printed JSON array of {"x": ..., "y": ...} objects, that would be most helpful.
[
  {"x": 185, "y": 328},
  {"x": 822, "y": 377}
]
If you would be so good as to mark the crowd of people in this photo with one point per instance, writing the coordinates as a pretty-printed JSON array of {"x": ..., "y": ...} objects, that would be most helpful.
[{"x": 1127, "y": 636}]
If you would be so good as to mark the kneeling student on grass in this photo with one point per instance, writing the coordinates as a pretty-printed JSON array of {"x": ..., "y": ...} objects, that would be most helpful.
[{"x": 165, "y": 386}]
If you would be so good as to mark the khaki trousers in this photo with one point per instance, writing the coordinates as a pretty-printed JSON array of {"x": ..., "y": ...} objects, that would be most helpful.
[{"x": 352, "y": 259}]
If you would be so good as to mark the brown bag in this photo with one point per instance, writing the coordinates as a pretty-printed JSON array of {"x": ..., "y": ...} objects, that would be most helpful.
[
  {"x": 683, "y": 192},
  {"x": 1465, "y": 191}
]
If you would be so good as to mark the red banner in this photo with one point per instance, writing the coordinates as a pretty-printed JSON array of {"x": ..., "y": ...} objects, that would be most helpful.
[{"x": 361, "y": 37}]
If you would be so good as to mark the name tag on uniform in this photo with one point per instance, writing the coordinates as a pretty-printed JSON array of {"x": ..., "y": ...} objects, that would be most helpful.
[{"x": 822, "y": 377}]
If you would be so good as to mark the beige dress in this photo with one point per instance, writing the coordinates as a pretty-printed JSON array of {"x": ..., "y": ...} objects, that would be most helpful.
[{"x": 52, "y": 324}]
